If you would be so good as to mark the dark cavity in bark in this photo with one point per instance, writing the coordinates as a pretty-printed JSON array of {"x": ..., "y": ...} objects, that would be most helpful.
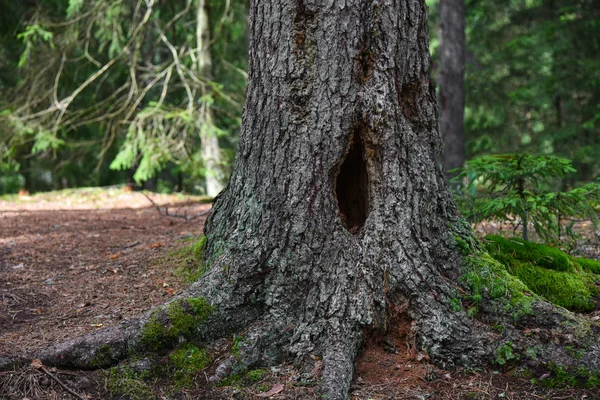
[{"x": 352, "y": 186}]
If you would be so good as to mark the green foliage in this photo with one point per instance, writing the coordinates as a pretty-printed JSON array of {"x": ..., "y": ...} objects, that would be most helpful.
[
  {"x": 10, "y": 179},
  {"x": 520, "y": 185},
  {"x": 74, "y": 7},
  {"x": 238, "y": 341},
  {"x": 531, "y": 82},
  {"x": 568, "y": 377},
  {"x": 187, "y": 361},
  {"x": 546, "y": 271},
  {"x": 29, "y": 37},
  {"x": 504, "y": 354},
  {"x": 94, "y": 90}
]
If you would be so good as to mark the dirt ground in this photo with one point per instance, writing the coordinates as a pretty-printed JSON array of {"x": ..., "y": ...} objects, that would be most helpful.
[{"x": 77, "y": 261}]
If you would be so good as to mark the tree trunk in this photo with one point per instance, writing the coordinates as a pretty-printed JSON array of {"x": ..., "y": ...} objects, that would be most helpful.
[
  {"x": 452, "y": 83},
  {"x": 336, "y": 210},
  {"x": 209, "y": 142}
]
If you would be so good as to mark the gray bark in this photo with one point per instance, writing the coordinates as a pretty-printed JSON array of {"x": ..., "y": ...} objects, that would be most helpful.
[
  {"x": 452, "y": 82},
  {"x": 335, "y": 208}
]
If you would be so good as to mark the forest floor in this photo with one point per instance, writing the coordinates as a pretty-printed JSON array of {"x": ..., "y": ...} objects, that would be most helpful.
[{"x": 73, "y": 262}]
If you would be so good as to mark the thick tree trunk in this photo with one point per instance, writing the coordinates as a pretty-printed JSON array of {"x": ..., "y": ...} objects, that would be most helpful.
[
  {"x": 336, "y": 209},
  {"x": 452, "y": 82},
  {"x": 210, "y": 151}
]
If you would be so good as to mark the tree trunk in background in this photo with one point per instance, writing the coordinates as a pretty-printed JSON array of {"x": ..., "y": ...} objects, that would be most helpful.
[
  {"x": 210, "y": 151},
  {"x": 452, "y": 83},
  {"x": 336, "y": 216}
]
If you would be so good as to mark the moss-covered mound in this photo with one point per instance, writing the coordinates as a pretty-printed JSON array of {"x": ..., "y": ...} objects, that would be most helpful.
[
  {"x": 586, "y": 264},
  {"x": 508, "y": 250},
  {"x": 547, "y": 271}
]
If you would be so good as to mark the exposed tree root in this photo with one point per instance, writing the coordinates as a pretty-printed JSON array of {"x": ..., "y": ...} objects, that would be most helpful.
[
  {"x": 338, "y": 365},
  {"x": 559, "y": 338}
]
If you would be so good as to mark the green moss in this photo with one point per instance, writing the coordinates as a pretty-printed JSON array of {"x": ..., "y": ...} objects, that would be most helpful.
[
  {"x": 586, "y": 264},
  {"x": 243, "y": 378},
  {"x": 571, "y": 290},
  {"x": 103, "y": 357},
  {"x": 122, "y": 381},
  {"x": 256, "y": 374},
  {"x": 179, "y": 319},
  {"x": 201, "y": 308},
  {"x": 263, "y": 387},
  {"x": 237, "y": 343},
  {"x": 507, "y": 251},
  {"x": 463, "y": 246},
  {"x": 182, "y": 321},
  {"x": 156, "y": 337},
  {"x": 189, "y": 261},
  {"x": 455, "y": 304},
  {"x": 187, "y": 361},
  {"x": 235, "y": 380},
  {"x": 575, "y": 352},
  {"x": 523, "y": 373},
  {"x": 487, "y": 278},
  {"x": 563, "y": 377},
  {"x": 593, "y": 381},
  {"x": 546, "y": 271}
]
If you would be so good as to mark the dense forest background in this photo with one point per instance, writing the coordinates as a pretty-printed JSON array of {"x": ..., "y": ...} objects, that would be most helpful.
[{"x": 104, "y": 92}]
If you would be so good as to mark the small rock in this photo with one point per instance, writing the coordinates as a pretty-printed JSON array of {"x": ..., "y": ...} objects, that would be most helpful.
[
  {"x": 223, "y": 370},
  {"x": 141, "y": 365},
  {"x": 82, "y": 383},
  {"x": 19, "y": 266}
]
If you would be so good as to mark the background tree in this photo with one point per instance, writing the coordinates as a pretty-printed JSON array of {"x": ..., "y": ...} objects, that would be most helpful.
[
  {"x": 451, "y": 81},
  {"x": 536, "y": 90},
  {"x": 101, "y": 77}
]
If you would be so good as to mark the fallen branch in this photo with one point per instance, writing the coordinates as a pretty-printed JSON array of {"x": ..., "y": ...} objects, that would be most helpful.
[
  {"x": 37, "y": 364},
  {"x": 176, "y": 215}
]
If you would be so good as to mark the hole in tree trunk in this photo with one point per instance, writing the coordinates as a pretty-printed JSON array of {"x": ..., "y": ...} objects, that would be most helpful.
[{"x": 352, "y": 187}]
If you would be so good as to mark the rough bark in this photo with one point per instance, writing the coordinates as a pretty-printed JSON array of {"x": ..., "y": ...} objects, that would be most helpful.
[
  {"x": 336, "y": 208},
  {"x": 452, "y": 82},
  {"x": 210, "y": 151}
]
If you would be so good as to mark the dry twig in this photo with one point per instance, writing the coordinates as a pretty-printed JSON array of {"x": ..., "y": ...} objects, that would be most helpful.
[{"x": 166, "y": 213}]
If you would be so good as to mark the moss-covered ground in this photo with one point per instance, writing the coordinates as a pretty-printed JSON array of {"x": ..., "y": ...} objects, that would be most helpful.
[
  {"x": 188, "y": 261},
  {"x": 547, "y": 271}
]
